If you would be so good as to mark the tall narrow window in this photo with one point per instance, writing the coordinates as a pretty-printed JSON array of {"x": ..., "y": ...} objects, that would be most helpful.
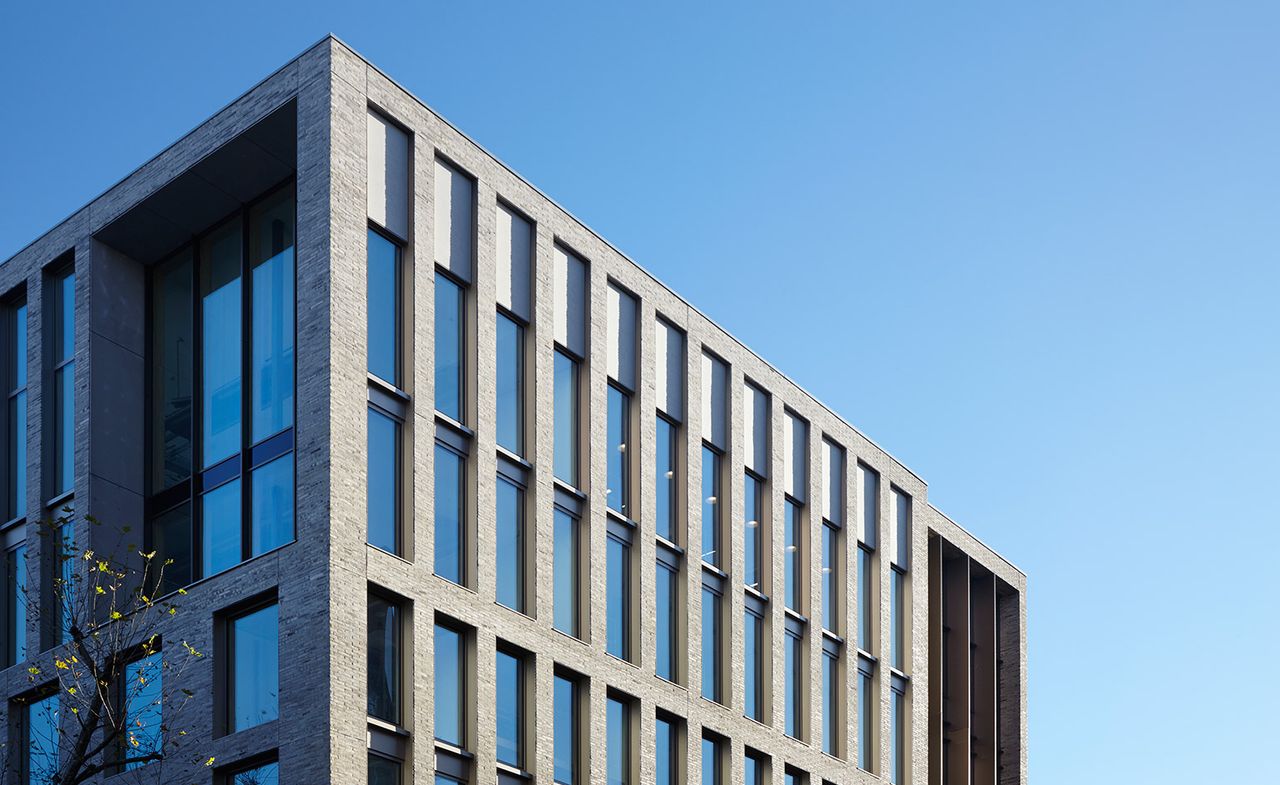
[
  {"x": 383, "y": 485},
  {"x": 793, "y": 524},
  {"x": 665, "y": 594},
  {"x": 868, "y": 531},
  {"x": 449, "y": 347},
  {"x": 15, "y": 605},
  {"x": 449, "y": 511},
  {"x": 385, "y": 659},
  {"x": 666, "y": 752},
  {"x": 141, "y": 690},
  {"x": 866, "y": 596},
  {"x": 565, "y": 731},
  {"x": 753, "y": 662},
  {"x": 831, "y": 720},
  {"x": 898, "y": 619},
  {"x": 565, "y": 416},
  {"x": 64, "y": 381},
  {"x": 618, "y": 742},
  {"x": 711, "y": 506},
  {"x": 618, "y": 596},
  {"x": 15, "y": 481},
  {"x": 617, "y": 490},
  {"x": 792, "y": 665},
  {"x": 253, "y": 641},
  {"x": 752, "y": 514},
  {"x": 712, "y": 765},
  {"x": 510, "y": 694},
  {"x": 866, "y": 714},
  {"x": 43, "y": 740},
  {"x": 450, "y": 694},
  {"x": 269, "y": 774},
  {"x": 510, "y": 384},
  {"x": 898, "y": 733},
  {"x": 711, "y": 632},
  {"x": 830, "y": 576},
  {"x": 565, "y": 555},
  {"x": 753, "y": 768},
  {"x": 665, "y": 485},
  {"x": 384, "y": 298},
  {"x": 510, "y": 544}
]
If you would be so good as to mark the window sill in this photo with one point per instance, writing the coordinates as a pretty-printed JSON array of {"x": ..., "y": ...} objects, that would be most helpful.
[{"x": 60, "y": 500}]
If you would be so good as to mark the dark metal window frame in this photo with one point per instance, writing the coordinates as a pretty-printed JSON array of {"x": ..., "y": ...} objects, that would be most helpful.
[
  {"x": 12, "y": 492},
  {"x": 201, "y": 481},
  {"x": 225, "y": 675}
]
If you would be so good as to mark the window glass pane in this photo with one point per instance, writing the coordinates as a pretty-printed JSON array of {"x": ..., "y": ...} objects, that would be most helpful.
[
  {"x": 710, "y": 506},
  {"x": 753, "y": 771},
  {"x": 565, "y": 617},
  {"x": 448, "y": 503},
  {"x": 172, "y": 372},
  {"x": 510, "y": 383},
  {"x": 510, "y": 710},
  {"x": 897, "y": 643},
  {"x": 665, "y": 486},
  {"x": 618, "y": 743},
  {"x": 64, "y": 390},
  {"x": 829, "y": 551},
  {"x": 255, "y": 675},
  {"x": 383, "y": 308},
  {"x": 870, "y": 505},
  {"x": 384, "y": 659},
  {"x": 751, "y": 645},
  {"x": 710, "y": 645},
  {"x": 273, "y": 504},
  {"x": 617, "y": 589},
  {"x": 449, "y": 689},
  {"x": 42, "y": 741},
  {"x": 865, "y": 575},
  {"x": 565, "y": 732},
  {"x": 829, "y": 718},
  {"x": 65, "y": 329},
  {"x": 791, "y": 560},
  {"x": 220, "y": 342},
  {"x": 15, "y": 602},
  {"x": 142, "y": 700},
  {"x": 791, "y": 664},
  {"x": 18, "y": 357},
  {"x": 665, "y": 599},
  {"x": 565, "y": 438},
  {"x": 897, "y": 752},
  {"x": 271, "y": 259},
  {"x": 752, "y": 513},
  {"x": 710, "y": 762},
  {"x": 510, "y": 545},
  {"x": 221, "y": 524},
  {"x": 665, "y": 753},
  {"x": 383, "y": 486},
  {"x": 617, "y": 491},
  {"x": 17, "y": 480},
  {"x": 448, "y": 348},
  {"x": 262, "y": 775},
  {"x": 384, "y": 771},
  {"x": 865, "y": 751}
]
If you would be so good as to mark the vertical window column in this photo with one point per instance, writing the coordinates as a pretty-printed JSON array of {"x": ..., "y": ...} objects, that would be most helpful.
[
  {"x": 833, "y": 599},
  {"x": 715, "y": 555},
  {"x": 866, "y": 616},
  {"x": 621, "y": 592},
  {"x": 669, "y": 529},
  {"x": 796, "y": 574},
  {"x": 15, "y": 421},
  {"x": 569, "y": 570},
  {"x": 900, "y": 641}
]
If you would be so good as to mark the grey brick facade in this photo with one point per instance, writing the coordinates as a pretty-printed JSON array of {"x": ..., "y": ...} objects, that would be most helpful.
[{"x": 323, "y": 577}]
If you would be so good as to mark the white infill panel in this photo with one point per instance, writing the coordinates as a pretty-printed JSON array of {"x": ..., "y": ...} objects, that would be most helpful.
[
  {"x": 715, "y": 380},
  {"x": 796, "y": 456},
  {"x": 455, "y": 220},
  {"x": 755, "y": 423},
  {"x": 570, "y": 301},
  {"x": 622, "y": 337},
  {"x": 902, "y": 529},
  {"x": 515, "y": 257},
  {"x": 669, "y": 370},
  {"x": 868, "y": 506},
  {"x": 387, "y": 175},
  {"x": 832, "y": 482}
]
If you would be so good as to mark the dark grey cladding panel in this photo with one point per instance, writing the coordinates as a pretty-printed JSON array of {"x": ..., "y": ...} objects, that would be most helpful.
[{"x": 238, "y": 172}]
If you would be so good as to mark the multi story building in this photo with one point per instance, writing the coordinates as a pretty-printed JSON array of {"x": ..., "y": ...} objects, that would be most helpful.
[{"x": 458, "y": 491}]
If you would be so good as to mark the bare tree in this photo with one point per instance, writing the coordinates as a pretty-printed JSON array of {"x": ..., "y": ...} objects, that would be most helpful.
[{"x": 109, "y": 697}]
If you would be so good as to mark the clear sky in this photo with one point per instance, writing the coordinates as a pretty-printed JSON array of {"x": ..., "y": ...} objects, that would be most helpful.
[{"x": 1030, "y": 248}]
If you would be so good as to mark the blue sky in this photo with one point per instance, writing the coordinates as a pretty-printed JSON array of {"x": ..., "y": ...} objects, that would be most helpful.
[{"x": 1031, "y": 248}]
